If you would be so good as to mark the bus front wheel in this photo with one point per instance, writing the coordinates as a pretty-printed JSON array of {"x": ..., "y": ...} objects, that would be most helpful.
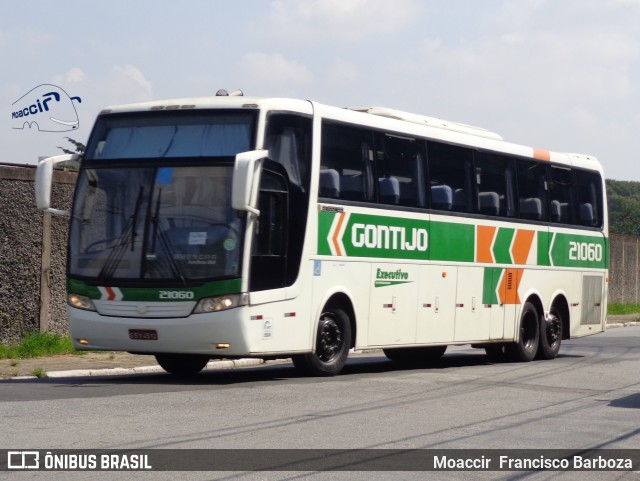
[
  {"x": 182, "y": 364},
  {"x": 526, "y": 347},
  {"x": 333, "y": 341}
]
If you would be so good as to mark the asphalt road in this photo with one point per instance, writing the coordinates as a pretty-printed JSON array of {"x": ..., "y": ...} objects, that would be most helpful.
[{"x": 589, "y": 397}]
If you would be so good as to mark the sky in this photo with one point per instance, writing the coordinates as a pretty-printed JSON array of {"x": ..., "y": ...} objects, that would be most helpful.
[{"x": 561, "y": 75}]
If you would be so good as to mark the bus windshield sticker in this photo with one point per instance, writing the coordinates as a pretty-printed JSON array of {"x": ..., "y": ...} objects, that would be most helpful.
[
  {"x": 229, "y": 244},
  {"x": 197, "y": 238},
  {"x": 164, "y": 176}
]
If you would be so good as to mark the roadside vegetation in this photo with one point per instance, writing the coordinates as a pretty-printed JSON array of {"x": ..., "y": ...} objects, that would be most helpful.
[
  {"x": 619, "y": 309},
  {"x": 38, "y": 344},
  {"x": 623, "y": 199}
]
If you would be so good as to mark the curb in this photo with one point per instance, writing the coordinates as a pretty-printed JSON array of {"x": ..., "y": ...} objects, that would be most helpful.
[
  {"x": 121, "y": 371},
  {"x": 623, "y": 324}
]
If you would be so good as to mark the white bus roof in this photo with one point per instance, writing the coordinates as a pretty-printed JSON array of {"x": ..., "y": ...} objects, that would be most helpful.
[
  {"x": 429, "y": 121},
  {"x": 381, "y": 117},
  {"x": 213, "y": 102}
]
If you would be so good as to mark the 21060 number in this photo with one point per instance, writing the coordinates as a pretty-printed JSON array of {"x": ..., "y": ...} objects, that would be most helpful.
[
  {"x": 585, "y": 251},
  {"x": 176, "y": 295}
]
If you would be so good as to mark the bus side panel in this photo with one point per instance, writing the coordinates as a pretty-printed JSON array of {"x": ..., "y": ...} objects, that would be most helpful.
[
  {"x": 436, "y": 303},
  {"x": 392, "y": 308},
  {"x": 473, "y": 318},
  {"x": 278, "y": 327}
]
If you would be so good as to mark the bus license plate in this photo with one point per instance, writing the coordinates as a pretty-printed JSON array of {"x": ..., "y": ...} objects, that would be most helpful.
[{"x": 143, "y": 334}]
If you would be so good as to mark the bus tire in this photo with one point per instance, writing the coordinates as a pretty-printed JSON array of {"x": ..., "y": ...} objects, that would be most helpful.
[
  {"x": 333, "y": 341},
  {"x": 415, "y": 355},
  {"x": 182, "y": 364},
  {"x": 526, "y": 347},
  {"x": 550, "y": 335}
]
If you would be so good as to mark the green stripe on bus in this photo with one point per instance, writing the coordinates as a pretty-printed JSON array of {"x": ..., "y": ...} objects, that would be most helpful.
[
  {"x": 325, "y": 219},
  {"x": 452, "y": 242},
  {"x": 502, "y": 245},
  {"x": 78, "y": 287},
  {"x": 152, "y": 294},
  {"x": 363, "y": 235},
  {"x": 388, "y": 237},
  {"x": 490, "y": 285},
  {"x": 571, "y": 250},
  {"x": 543, "y": 248}
]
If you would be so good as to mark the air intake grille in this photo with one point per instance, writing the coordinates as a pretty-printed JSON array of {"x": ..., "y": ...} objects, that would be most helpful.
[{"x": 591, "y": 300}]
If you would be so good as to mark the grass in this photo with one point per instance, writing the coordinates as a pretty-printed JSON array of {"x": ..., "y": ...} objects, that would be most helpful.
[
  {"x": 39, "y": 373},
  {"x": 619, "y": 308},
  {"x": 37, "y": 345}
]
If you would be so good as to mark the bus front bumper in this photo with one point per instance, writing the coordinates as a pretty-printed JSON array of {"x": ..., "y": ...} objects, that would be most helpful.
[{"x": 219, "y": 334}]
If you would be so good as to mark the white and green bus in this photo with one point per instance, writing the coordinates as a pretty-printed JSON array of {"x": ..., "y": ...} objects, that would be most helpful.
[{"x": 234, "y": 227}]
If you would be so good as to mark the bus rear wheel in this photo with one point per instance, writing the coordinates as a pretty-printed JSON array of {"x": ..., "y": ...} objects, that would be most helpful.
[
  {"x": 182, "y": 364},
  {"x": 333, "y": 341},
  {"x": 526, "y": 347},
  {"x": 550, "y": 335}
]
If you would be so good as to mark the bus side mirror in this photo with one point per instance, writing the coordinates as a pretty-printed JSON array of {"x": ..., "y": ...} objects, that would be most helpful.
[
  {"x": 246, "y": 175},
  {"x": 44, "y": 179}
]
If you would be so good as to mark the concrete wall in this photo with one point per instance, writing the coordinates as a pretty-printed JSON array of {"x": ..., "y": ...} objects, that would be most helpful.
[
  {"x": 624, "y": 269},
  {"x": 26, "y": 279}
]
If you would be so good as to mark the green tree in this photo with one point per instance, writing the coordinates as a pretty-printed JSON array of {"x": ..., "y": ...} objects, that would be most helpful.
[
  {"x": 623, "y": 200},
  {"x": 79, "y": 147},
  {"x": 624, "y": 216}
]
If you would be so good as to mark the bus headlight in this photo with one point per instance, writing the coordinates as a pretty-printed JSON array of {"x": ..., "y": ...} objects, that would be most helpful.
[
  {"x": 222, "y": 303},
  {"x": 80, "y": 302}
]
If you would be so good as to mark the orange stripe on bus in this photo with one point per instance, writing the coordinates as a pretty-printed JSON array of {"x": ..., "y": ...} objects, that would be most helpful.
[
  {"x": 522, "y": 246},
  {"x": 485, "y": 235},
  {"x": 509, "y": 285},
  {"x": 541, "y": 154},
  {"x": 335, "y": 238}
]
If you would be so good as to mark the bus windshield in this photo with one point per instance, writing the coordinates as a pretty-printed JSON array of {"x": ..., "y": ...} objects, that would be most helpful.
[
  {"x": 164, "y": 223},
  {"x": 153, "y": 198}
]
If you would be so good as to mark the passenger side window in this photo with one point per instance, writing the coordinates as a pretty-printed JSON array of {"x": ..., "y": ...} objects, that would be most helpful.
[
  {"x": 561, "y": 206},
  {"x": 589, "y": 198},
  {"x": 401, "y": 171},
  {"x": 346, "y": 163},
  {"x": 532, "y": 190},
  {"x": 451, "y": 177},
  {"x": 496, "y": 181}
]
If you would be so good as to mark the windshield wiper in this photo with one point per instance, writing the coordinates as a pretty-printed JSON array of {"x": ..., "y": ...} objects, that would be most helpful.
[
  {"x": 159, "y": 233},
  {"x": 127, "y": 237}
]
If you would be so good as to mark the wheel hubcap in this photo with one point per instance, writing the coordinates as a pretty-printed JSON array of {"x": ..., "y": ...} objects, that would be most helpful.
[
  {"x": 329, "y": 339},
  {"x": 553, "y": 329}
]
